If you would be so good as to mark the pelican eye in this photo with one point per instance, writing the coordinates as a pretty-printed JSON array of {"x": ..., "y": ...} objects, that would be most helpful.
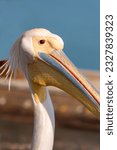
[{"x": 42, "y": 41}]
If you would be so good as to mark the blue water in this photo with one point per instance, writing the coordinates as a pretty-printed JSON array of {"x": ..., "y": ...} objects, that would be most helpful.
[{"x": 76, "y": 21}]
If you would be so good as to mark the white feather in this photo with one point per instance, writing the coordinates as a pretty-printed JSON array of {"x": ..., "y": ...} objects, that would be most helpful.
[{"x": 44, "y": 125}]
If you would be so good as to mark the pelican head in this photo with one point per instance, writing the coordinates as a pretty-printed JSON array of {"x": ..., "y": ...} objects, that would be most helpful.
[{"x": 39, "y": 54}]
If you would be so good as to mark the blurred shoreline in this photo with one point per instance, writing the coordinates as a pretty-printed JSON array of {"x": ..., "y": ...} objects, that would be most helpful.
[{"x": 74, "y": 122}]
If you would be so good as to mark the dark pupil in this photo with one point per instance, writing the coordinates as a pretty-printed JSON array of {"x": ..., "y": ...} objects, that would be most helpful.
[{"x": 42, "y": 41}]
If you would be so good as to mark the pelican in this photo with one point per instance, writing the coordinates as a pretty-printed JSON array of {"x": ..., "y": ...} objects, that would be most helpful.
[{"x": 38, "y": 53}]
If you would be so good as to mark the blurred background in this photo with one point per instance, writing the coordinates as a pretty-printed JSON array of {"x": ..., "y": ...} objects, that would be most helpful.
[{"x": 77, "y": 22}]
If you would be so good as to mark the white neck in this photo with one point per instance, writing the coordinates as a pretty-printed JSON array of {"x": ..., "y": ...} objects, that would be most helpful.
[{"x": 44, "y": 124}]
